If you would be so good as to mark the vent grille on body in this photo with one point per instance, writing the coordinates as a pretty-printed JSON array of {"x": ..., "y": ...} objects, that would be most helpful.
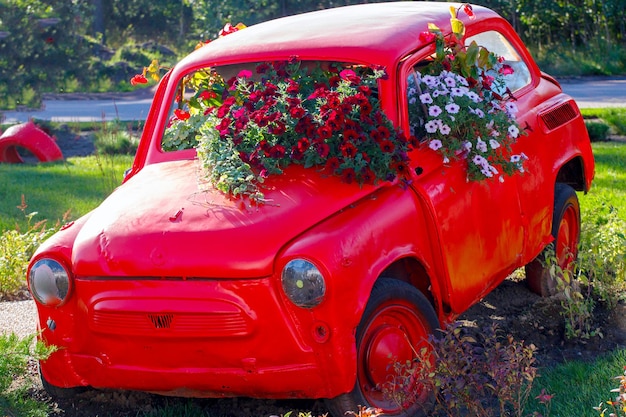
[{"x": 559, "y": 115}]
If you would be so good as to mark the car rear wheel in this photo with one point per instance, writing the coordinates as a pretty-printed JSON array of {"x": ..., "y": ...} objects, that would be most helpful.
[
  {"x": 58, "y": 392},
  {"x": 395, "y": 325},
  {"x": 566, "y": 233}
]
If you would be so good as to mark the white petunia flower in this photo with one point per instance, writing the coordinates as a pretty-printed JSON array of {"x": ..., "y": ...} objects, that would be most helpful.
[
  {"x": 456, "y": 92},
  {"x": 426, "y": 98},
  {"x": 481, "y": 145},
  {"x": 513, "y": 131},
  {"x": 494, "y": 144},
  {"x": 435, "y": 144},
  {"x": 430, "y": 81},
  {"x": 511, "y": 108},
  {"x": 474, "y": 97},
  {"x": 431, "y": 126},
  {"x": 444, "y": 129},
  {"x": 434, "y": 111},
  {"x": 449, "y": 81},
  {"x": 452, "y": 108}
]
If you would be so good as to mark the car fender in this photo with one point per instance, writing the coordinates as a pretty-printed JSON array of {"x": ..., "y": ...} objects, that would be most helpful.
[{"x": 352, "y": 249}]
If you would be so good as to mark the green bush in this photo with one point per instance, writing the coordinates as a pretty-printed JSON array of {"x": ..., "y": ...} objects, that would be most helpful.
[
  {"x": 113, "y": 138},
  {"x": 468, "y": 376},
  {"x": 602, "y": 255},
  {"x": 14, "y": 356},
  {"x": 598, "y": 130},
  {"x": 16, "y": 249}
]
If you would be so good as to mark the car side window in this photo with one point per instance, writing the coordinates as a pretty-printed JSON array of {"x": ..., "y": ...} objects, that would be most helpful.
[{"x": 499, "y": 45}]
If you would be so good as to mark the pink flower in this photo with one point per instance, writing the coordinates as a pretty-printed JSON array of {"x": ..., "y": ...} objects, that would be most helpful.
[
  {"x": 244, "y": 74},
  {"x": 506, "y": 70}
]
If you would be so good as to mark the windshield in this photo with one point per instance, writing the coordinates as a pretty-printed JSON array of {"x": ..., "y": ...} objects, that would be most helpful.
[{"x": 258, "y": 97}]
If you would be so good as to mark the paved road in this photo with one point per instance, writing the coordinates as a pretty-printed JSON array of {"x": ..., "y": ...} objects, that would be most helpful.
[
  {"x": 588, "y": 92},
  {"x": 597, "y": 91}
]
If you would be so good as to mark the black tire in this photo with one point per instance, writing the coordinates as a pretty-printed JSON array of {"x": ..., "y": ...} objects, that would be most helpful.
[
  {"x": 566, "y": 234},
  {"x": 58, "y": 392},
  {"x": 396, "y": 312}
]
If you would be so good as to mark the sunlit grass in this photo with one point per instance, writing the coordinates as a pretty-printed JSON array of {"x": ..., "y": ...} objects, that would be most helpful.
[
  {"x": 51, "y": 189},
  {"x": 578, "y": 386},
  {"x": 609, "y": 185}
]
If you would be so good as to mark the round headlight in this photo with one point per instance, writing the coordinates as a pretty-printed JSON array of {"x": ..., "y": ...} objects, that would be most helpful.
[
  {"x": 303, "y": 283},
  {"x": 49, "y": 282}
]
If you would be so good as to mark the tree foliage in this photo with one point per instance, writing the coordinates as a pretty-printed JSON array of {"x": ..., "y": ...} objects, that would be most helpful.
[{"x": 45, "y": 43}]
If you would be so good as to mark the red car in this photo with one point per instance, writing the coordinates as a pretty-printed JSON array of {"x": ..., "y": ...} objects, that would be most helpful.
[{"x": 220, "y": 268}]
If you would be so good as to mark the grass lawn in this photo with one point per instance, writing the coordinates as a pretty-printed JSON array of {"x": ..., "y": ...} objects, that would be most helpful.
[{"x": 51, "y": 189}]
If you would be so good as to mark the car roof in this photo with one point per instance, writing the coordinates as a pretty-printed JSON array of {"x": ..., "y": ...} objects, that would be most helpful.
[{"x": 377, "y": 33}]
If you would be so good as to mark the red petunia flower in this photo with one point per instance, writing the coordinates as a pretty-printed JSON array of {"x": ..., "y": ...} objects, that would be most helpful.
[
  {"x": 467, "y": 8},
  {"x": 181, "y": 114},
  {"x": 387, "y": 146},
  {"x": 332, "y": 164},
  {"x": 138, "y": 79},
  {"x": 348, "y": 175},
  {"x": 324, "y": 132},
  {"x": 296, "y": 153},
  {"x": 277, "y": 151},
  {"x": 207, "y": 95},
  {"x": 228, "y": 29},
  {"x": 303, "y": 144},
  {"x": 368, "y": 176},
  {"x": 350, "y": 135},
  {"x": 323, "y": 149},
  {"x": 384, "y": 132},
  {"x": 297, "y": 112},
  {"x": 348, "y": 149}
]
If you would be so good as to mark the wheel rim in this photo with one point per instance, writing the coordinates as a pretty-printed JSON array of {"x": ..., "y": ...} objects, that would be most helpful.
[
  {"x": 567, "y": 238},
  {"x": 395, "y": 332}
]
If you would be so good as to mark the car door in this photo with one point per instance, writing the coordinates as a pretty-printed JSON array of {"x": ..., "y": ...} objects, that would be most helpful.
[{"x": 480, "y": 224}]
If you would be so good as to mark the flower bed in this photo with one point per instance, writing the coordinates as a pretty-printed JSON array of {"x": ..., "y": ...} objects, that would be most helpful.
[{"x": 323, "y": 115}]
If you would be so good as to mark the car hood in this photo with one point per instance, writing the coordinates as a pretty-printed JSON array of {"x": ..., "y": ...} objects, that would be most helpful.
[{"x": 160, "y": 224}]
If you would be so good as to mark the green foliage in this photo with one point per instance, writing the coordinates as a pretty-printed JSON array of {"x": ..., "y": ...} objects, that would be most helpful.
[
  {"x": 615, "y": 117},
  {"x": 602, "y": 256},
  {"x": 575, "y": 296},
  {"x": 16, "y": 249},
  {"x": 490, "y": 376},
  {"x": 598, "y": 130},
  {"x": 42, "y": 47},
  {"x": 114, "y": 138},
  {"x": 14, "y": 356}
]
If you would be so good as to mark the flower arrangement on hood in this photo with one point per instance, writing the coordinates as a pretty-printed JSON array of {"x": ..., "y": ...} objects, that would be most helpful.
[
  {"x": 457, "y": 104},
  {"x": 324, "y": 115}
]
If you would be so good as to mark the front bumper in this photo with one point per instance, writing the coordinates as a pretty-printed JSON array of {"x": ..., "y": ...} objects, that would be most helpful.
[{"x": 200, "y": 338}]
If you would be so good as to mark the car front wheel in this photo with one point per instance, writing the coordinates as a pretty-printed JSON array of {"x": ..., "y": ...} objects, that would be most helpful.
[
  {"x": 566, "y": 233},
  {"x": 395, "y": 326}
]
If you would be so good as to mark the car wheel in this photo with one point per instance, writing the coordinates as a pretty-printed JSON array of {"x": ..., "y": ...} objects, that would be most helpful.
[
  {"x": 566, "y": 233},
  {"x": 397, "y": 320},
  {"x": 58, "y": 392}
]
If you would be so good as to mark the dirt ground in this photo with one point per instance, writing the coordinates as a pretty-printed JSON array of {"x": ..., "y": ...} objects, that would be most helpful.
[{"x": 518, "y": 312}]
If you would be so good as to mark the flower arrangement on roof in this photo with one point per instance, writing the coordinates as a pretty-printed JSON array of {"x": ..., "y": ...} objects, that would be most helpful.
[
  {"x": 457, "y": 104},
  {"x": 322, "y": 115}
]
